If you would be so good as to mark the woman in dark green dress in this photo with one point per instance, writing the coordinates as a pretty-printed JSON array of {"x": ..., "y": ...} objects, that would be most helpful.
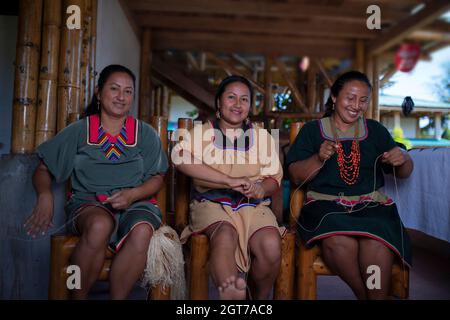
[
  {"x": 342, "y": 156},
  {"x": 116, "y": 165}
]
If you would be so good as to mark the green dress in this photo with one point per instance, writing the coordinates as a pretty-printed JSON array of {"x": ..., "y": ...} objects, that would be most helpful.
[
  {"x": 333, "y": 207},
  {"x": 99, "y": 165}
]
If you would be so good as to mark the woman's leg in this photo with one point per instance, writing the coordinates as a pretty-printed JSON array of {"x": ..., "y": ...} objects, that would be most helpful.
[
  {"x": 373, "y": 252},
  {"x": 340, "y": 254},
  {"x": 223, "y": 241},
  {"x": 95, "y": 226},
  {"x": 265, "y": 247},
  {"x": 129, "y": 262}
]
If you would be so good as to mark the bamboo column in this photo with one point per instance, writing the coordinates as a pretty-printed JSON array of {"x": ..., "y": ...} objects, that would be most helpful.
[
  {"x": 359, "y": 55},
  {"x": 165, "y": 97},
  {"x": 145, "y": 86},
  {"x": 93, "y": 46},
  {"x": 369, "y": 73},
  {"x": 85, "y": 95},
  {"x": 182, "y": 187},
  {"x": 268, "y": 85},
  {"x": 48, "y": 76},
  {"x": 311, "y": 88},
  {"x": 157, "y": 110},
  {"x": 375, "y": 89},
  {"x": 160, "y": 125},
  {"x": 26, "y": 76},
  {"x": 69, "y": 72}
]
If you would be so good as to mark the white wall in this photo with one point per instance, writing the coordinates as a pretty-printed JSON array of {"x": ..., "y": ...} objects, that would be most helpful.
[
  {"x": 407, "y": 124},
  {"x": 116, "y": 41},
  {"x": 8, "y": 38}
]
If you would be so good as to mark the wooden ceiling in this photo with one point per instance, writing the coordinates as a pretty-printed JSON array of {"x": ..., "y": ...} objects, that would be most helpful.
[{"x": 318, "y": 28}]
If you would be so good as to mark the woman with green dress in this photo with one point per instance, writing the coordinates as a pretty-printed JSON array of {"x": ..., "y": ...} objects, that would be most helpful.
[
  {"x": 341, "y": 157},
  {"x": 116, "y": 165}
]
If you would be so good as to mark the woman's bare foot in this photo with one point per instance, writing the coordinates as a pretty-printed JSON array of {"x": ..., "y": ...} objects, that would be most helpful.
[{"x": 233, "y": 289}]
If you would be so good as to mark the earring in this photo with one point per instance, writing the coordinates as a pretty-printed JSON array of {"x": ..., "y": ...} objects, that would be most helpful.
[
  {"x": 247, "y": 121},
  {"x": 218, "y": 114}
]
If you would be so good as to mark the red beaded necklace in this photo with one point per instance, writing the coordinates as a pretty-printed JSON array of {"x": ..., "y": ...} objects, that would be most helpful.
[{"x": 348, "y": 164}]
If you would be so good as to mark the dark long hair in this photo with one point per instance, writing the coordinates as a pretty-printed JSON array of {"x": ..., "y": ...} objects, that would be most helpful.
[
  {"x": 339, "y": 84},
  {"x": 93, "y": 107},
  {"x": 228, "y": 80}
]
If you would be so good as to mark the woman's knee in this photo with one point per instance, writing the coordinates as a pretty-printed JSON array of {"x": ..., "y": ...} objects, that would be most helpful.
[
  {"x": 267, "y": 246},
  {"x": 140, "y": 237},
  {"x": 223, "y": 235},
  {"x": 339, "y": 243},
  {"x": 96, "y": 229}
]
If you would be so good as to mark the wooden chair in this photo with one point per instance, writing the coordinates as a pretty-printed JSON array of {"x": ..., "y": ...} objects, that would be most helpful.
[
  {"x": 62, "y": 245},
  {"x": 197, "y": 249},
  {"x": 309, "y": 262}
]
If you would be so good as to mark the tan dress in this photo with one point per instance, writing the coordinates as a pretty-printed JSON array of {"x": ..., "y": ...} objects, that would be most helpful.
[{"x": 256, "y": 158}]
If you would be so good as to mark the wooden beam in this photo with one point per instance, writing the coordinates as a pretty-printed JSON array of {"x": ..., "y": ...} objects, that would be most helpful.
[
  {"x": 291, "y": 84},
  {"x": 267, "y": 45},
  {"x": 272, "y": 26},
  {"x": 237, "y": 58},
  {"x": 232, "y": 70},
  {"x": 191, "y": 61},
  {"x": 131, "y": 19},
  {"x": 393, "y": 36},
  {"x": 324, "y": 72},
  {"x": 283, "y": 10}
]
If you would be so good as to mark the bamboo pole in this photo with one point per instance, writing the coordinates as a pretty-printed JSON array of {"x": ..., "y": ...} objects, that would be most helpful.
[
  {"x": 145, "y": 98},
  {"x": 93, "y": 46},
  {"x": 86, "y": 56},
  {"x": 369, "y": 73},
  {"x": 359, "y": 55},
  {"x": 48, "y": 76},
  {"x": 160, "y": 125},
  {"x": 311, "y": 93},
  {"x": 164, "y": 101},
  {"x": 69, "y": 72},
  {"x": 182, "y": 187},
  {"x": 158, "y": 92},
  {"x": 26, "y": 76},
  {"x": 375, "y": 89},
  {"x": 268, "y": 85}
]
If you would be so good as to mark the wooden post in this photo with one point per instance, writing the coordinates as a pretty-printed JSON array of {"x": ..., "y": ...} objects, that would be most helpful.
[
  {"x": 85, "y": 96},
  {"x": 158, "y": 93},
  {"x": 297, "y": 197},
  {"x": 69, "y": 72},
  {"x": 93, "y": 46},
  {"x": 198, "y": 266},
  {"x": 369, "y": 74},
  {"x": 268, "y": 85},
  {"x": 376, "y": 89},
  {"x": 182, "y": 187},
  {"x": 165, "y": 101},
  {"x": 48, "y": 75},
  {"x": 311, "y": 93},
  {"x": 359, "y": 55},
  {"x": 284, "y": 284},
  {"x": 145, "y": 90},
  {"x": 160, "y": 125},
  {"x": 26, "y": 76}
]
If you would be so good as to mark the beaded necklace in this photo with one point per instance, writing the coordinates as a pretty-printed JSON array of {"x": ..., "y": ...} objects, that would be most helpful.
[{"x": 348, "y": 164}]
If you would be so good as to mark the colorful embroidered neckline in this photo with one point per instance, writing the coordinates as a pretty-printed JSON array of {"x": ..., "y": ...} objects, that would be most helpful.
[{"x": 112, "y": 146}]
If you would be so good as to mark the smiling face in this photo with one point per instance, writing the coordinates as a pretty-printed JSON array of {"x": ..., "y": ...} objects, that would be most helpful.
[
  {"x": 234, "y": 104},
  {"x": 116, "y": 96},
  {"x": 351, "y": 102}
]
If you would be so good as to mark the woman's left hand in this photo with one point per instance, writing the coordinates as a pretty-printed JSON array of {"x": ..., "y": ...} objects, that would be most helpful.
[
  {"x": 121, "y": 200},
  {"x": 256, "y": 191},
  {"x": 394, "y": 157}
]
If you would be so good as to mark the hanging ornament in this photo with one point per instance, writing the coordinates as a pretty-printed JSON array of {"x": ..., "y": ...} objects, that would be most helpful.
[
  {"x": 407, "y": 56},
  {"x": 407, "y": 105}
]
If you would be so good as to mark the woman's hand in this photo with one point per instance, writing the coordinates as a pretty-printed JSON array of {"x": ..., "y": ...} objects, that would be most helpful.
[
  {"x": 121, "y": 200},
  {"x": 256, "y": 191},
  {"x": 41, "y": 218},
  {"x": 394, "y": 157},
  {"x": 327, "y": 149},
  {"x": 238, "y": 184}
]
